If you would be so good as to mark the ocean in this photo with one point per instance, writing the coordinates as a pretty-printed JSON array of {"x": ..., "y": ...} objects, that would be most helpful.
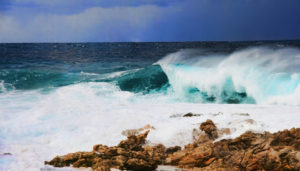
[{"x": 57, "y": 98}]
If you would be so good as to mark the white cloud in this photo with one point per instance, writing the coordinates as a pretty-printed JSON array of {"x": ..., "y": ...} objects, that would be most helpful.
[
  {"x": 120, "y": 20},
  {"x": 94, "y": 24},
  {"x": 99, "y": 3}
]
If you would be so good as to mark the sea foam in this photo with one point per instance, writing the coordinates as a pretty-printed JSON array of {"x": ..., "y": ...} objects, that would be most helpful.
[{"x": 36, "y": 126}]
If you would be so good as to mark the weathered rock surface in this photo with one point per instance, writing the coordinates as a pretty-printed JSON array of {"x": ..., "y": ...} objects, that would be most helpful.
[
  {"x": 130, "y": 154},
  {"x": 250, "y": 151},
  {"x": 210, "y": 129}
]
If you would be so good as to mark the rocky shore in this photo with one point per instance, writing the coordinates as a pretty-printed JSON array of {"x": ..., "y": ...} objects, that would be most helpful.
[{"x": 249, "y": 151}]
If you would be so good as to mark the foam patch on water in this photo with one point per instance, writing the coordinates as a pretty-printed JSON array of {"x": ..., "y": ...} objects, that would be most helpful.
[{"x": 37, "y": 126}]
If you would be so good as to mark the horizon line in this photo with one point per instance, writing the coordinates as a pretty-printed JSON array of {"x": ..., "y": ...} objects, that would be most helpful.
[{"x": 230, "y": 41}]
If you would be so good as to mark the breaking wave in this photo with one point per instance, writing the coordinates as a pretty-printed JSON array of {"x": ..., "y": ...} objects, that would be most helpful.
[{"x": 254, "y": 75}]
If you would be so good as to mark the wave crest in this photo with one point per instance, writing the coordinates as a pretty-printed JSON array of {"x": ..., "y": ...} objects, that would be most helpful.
[
  {"x": 255, "y": 75},
  {"x": 146, "y": 80}
]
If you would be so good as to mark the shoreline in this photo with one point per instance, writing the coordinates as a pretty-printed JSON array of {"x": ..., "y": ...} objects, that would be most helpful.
[
  {"x": 171, "y": 129},
  {"x": 249, "y": 151}
]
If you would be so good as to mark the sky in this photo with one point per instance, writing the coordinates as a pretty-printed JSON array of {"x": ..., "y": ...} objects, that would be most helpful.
[{"x": 148, "y": 20}]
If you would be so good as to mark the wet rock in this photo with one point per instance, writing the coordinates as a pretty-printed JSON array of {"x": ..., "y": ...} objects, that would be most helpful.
[
  {"x": 99, "y": 148},
  {"x": 134, "y": 142},
  {"x": 128, "y": 155},
  {"x": 200, "y": 156},
  {"x": 156, "y": 153},
  {"x": 140, "y": 165},
  {"x": 191, "y": 114},
  {"x": 287, "y": 138},
  {"x": 175, "y": 158},
  {"x": 202, "y": 138},
  {"x": 249, "y": 151},
  {"x": 174, "y": 149},
  {"x": 209, "y": 128}
]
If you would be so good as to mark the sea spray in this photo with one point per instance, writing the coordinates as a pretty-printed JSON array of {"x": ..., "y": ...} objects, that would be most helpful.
[
  {"x": 255, "y": 75},
  {"x": 57, "y": 103}
]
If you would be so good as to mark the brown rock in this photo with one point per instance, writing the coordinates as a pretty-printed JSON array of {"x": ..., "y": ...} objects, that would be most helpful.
[
  {"x": 123, "y": 152},
  {"x": 119, "y": 161},
  {"x": 287, "y": 138},
  {"x": 198, "y": 156},
  {"x": 129, "y": 155},
  {"x": 100, "y": 148},
  {"x": 175, "y": 158},
  {"x": 191, "y": 146},
  {"x": 174, "y": 149},
  {"x": 65, "y": 160},
  {"x": 156, "y": 153},
  {"x": 139, "y": 165},
  {"x": 134, "y": 142},
  {"x": 209, "y": 128},
  {"x": 191, "y": 114},
  {"x": 110, "y": 152},
  {"x": 249, "y": 151},
  {"x": 202, "y": 138}
]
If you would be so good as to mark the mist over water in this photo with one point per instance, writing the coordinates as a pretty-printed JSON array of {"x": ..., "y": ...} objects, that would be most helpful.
[{"x": 61, "y": 98}]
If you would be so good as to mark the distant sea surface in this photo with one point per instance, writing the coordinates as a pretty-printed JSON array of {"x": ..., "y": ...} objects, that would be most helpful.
[{"x": 57, "y": 98}]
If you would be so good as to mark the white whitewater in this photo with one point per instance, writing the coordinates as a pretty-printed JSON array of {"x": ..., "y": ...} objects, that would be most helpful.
[
  {"x": 268, "y": 76},
  {"x": 36, "y": 126}
]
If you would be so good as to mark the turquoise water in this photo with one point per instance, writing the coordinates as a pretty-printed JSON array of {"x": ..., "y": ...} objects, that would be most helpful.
[
  {"x": 191, "y": 72},
  {"x": 62, "y": 98}
]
